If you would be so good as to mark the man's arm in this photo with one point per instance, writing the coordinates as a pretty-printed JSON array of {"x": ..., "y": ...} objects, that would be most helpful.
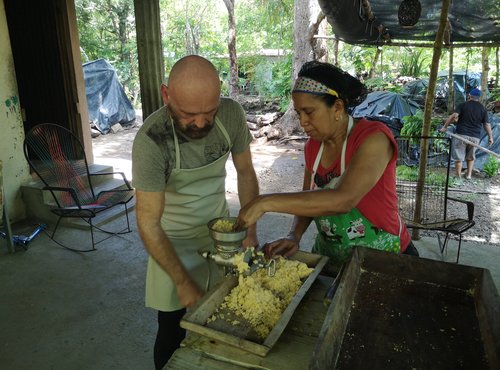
[
  {"x": 248, "y": 189},
  {"x": 149, "y": 209},
  {"x": 487, "y": 128},
  {"x": 452, "y": 118}
]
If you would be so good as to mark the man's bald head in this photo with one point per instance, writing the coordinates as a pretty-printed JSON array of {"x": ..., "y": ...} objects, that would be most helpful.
[
  {"x": 193, "y": 74},
  {"x": 192, "y": 95}
]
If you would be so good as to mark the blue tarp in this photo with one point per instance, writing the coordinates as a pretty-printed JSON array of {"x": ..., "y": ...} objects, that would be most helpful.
[
  {"x": 463, "y": 82},
  {"x": 482, "y": 157},
  {"x": 387, "y": 107},
  {"x": 386, "y": 103},
  {"x": 107, "y": 102}
]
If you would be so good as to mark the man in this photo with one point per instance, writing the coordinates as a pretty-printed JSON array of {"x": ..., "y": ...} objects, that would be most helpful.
[
  {"x": 496, "y": 107},
  {"x": 470, "y": 116},
  {"x": 178, "y": 164}
]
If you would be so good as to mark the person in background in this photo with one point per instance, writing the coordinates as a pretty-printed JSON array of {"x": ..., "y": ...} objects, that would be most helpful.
[
  {"x": 178, "y": 164},
  {"x": 496, "y": 107},
  {"x": 469, "y": 116},
  {"x": 349, "y": 185}
]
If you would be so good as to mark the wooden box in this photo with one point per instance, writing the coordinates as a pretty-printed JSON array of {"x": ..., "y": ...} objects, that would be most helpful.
[
  {"x": 241, "y": 335},
  {"x": 404, "y": 312}
]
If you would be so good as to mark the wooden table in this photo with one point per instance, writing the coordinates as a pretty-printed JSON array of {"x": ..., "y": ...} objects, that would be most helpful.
[{"x": 292, "y": 351}]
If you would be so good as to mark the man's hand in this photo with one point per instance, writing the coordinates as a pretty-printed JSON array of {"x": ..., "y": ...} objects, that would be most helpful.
[
  {"x": 490, "y": 141},
  {"x": 443, "y": 129},
  {"x": 189, "y": 293}
]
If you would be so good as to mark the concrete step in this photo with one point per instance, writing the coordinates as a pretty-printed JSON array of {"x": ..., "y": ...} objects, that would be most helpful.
[{"x": 39, "y": 202}]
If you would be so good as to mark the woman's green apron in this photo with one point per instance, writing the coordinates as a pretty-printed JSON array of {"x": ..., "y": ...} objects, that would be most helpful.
[
  {"x": 338, "y": 234},
  {"x": 192, "y": 198}
]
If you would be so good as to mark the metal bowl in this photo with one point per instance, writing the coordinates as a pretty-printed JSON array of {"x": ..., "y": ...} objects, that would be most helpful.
[{"x": 227, "y": 237}]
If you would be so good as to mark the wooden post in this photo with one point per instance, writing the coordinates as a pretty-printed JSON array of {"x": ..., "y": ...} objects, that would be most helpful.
[
  {"x": 429, "y": 101},
  {"x": 4, "y": 215},
  {"x": 150, "y": 52}
]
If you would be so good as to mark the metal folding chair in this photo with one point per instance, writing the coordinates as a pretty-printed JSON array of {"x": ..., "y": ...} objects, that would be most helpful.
[
  {"x": 434, "y": 215},
  {"x": 58, "y": 158}
]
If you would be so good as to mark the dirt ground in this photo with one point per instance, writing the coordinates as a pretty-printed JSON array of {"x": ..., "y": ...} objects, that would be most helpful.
[{"x": 280, "y": 169}]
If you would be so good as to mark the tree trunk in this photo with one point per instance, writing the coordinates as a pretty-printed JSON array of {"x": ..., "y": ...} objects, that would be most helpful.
[
  {"x": 497, "y": 65},
  {"x": 451, "y": 83},
  {"x": 378, "y": 51},
  {"x": 231, "y": 45},
  {"x": 305, "y": 17},
  {"x": 319, "y": 46},
  {"x": 485, "y": 73},
  {"x": 336, "y": 52}
]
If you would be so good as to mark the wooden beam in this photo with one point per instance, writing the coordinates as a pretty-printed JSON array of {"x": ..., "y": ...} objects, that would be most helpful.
[{"x": 424, "y": 44}]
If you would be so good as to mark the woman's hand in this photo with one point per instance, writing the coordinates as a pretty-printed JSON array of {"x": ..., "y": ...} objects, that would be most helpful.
[
  {"x": 250, "y": 213},
  {"x": 285, "y": 246}
]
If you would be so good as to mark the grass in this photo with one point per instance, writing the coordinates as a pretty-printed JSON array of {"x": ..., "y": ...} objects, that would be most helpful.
[{"x": 434, "y": 177}]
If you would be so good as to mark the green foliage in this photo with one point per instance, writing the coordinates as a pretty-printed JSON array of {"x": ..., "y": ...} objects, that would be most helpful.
[
  {"x": 412, "y": 125},
  {"x": 107, "y": 30},
  {"x": 436, "y": 178},
  {"x": 406, "y": 173},
  {"x": 273, "y": 80},
  {"x": 414, "y": 63},
  {"x": 356, "y": 59},
  {"x": 491, "y": 166},
  {"x": 494, "y": 94},
  {"x": 264, "y": 25},
  {"x": 193, "y": 27},
  {"x": 385, "y": 84}
]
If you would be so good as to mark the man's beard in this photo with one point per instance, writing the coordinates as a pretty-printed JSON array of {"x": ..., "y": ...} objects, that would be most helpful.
[{"x": 191, "y": 130}]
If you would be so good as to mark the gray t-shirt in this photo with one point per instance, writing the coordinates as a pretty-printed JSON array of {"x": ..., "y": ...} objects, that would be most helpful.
[{"x": 153, "y": 152}]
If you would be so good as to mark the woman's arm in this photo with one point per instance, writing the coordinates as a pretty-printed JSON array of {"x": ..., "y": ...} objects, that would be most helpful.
[
  {"x": 248, "y": 189},
  {"x": 364, "y": 171}
]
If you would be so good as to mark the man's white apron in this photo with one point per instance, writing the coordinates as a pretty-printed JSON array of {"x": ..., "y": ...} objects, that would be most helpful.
[{"x": 192, "y": 198}]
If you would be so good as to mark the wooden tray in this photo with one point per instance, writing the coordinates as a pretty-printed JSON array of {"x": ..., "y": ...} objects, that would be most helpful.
[
  {"x": 241, "y": 335},
  {"x": 403, "y": 312}
]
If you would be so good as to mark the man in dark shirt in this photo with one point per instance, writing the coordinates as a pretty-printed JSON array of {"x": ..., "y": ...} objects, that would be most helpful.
[{"x": 470, "y": 116}]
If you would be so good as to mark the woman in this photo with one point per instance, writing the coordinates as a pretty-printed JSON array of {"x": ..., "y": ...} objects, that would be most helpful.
[{"x": 350, "y": 173}]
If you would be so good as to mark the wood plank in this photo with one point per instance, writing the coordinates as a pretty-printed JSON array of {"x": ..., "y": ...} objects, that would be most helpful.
[
  {"x": 208, "y": 304},
  {"x": 275, "y": 333},
  {"x": 190, "y": 359},
  {"x": 327, "y": 346},
  {"x": 226, "y": 338}
]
